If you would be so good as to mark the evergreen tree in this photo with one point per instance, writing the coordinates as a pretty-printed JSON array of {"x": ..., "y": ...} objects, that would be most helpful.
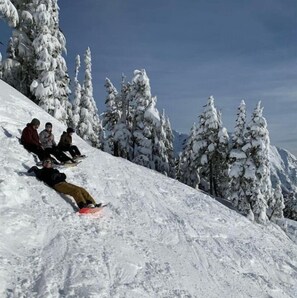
[
  {"x": 9, "y": 12},
  {"x": 35, "y": 65},
  {"x": 290, "y": 210},
  {"x": 187, "y": 171},
  {"x": 155, "y": 133},
  {"x": 169, "y": 147},
  {"x": 141, "y": 99},
  {"x": 122, "y": 130},
  {"x": 110, "y": 117},
  {"x": 160, "y": 157},
  {"x": 210, "y": 149},
  {"x": 18, "y": 67},
  {"x": 258, "y": 163},
  {"x": 276, "y": 204},
  {"x": 89, "y": 127},
  {"x": 237, "y": 160},
  {"x": 76, "y": 105},
  {"x": 238, "y": 138},
  {"x": 221, "y": 161},
  {"x": 51, "y": 85}
]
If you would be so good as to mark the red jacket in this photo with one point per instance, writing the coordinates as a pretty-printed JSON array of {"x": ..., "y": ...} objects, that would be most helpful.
[{"x": 30, "y": 136}]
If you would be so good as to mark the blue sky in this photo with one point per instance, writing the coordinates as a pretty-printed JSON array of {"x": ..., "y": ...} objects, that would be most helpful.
[{"x": 192, "y": 49}]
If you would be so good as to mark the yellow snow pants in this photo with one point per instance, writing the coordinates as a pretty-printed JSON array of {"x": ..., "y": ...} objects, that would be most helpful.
[{"x": 79, "y": 194}]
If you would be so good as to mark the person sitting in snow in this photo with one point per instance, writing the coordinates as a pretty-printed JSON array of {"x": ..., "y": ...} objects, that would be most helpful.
[
  {"x": 47, "y": 140},
  {"x": 30, "y": 139},
  {"x": 53, "y": 178},
  {"x": 65, "y": 143}
]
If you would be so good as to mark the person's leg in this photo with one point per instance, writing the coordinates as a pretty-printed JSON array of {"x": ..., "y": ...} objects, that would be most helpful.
[
  {"x": 42, "y": 154},
  {"x": 60, "y": 155},
  {"x": 75, "y": 150},
  {"x": 80, "y": 195},
  {"x": 63, "y": 148},
  {"x": 51, "y": 151},
  {"x": 87, "y": 197}
]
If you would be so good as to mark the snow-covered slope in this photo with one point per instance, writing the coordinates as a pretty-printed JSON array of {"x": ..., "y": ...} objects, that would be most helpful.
[{"x": 158, "y": 237}]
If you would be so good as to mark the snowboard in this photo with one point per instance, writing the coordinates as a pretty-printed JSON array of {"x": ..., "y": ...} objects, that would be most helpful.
[{"x": 85, "y": 211}]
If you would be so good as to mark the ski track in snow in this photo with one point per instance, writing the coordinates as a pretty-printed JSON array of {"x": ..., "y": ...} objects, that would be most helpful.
[{"x": 156, "y": 238}]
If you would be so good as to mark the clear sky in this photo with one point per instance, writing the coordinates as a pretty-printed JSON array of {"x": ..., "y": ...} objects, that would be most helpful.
[{"x": 191, "y": 49}]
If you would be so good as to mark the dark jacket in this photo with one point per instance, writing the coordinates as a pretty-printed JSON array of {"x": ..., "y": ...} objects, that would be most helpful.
[
  {"x": 30, "y": 136},
  {"x": 65, "y": 140},
  {"x": 49, "y": 175}
]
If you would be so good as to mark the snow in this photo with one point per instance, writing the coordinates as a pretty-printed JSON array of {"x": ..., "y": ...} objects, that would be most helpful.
[
  {"x": 284, "y": 168},
  {"x": 157, "y": 238}
]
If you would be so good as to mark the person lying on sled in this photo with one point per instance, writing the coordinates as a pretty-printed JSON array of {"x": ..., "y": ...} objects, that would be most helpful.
[{"x": 53, "y": 178}]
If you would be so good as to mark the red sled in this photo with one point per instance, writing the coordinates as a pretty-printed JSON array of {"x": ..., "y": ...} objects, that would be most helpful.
[{"x": 91, "y": 210}]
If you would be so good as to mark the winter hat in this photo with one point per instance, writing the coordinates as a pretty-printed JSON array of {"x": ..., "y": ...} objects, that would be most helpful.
[
  {"x": 70, "y": 130},
  {"x": 35, "y": 122},
  {"x": 48, "y": 124}
]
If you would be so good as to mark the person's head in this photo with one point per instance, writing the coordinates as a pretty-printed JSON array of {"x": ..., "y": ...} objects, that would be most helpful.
[
  {"x": 47, "y": 163},
  {"x": 70, "y": 130},
  {"x": 35, "y": 123},
  {"x": 48, "y": 126}
]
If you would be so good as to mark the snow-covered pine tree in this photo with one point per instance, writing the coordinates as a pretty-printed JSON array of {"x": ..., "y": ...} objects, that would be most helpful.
[
  {"x": 210, "y": 147},
  {"x": 152, "y": 124},
  {"x": 160, "y": 157},
  {"x": 9, "y": 13},
  {"x": 187, "y": 170},
  {"x": 238, "y": 138},
  {"x": 18, "y": 67},
  {"x": 237, "y": 160},
  {"x": 221, "y": 161},
  {"x": 169, "y": 147},
  {"x": 258, "y": 164},
  {"x": 110, "y": 117},
  {"x": 89, "y": 127},
  {"x": 141, "y": 99},
  {"x": 122, "y": 130},
  {"x": 290, "y": 210},
  {"x": 62, "y": 77},
  {"x": 276, "y": 203},
  {"x": 51, "y": 84},
  {"x": 35, "y": 65},
  {"x": 76, "y": 105}
]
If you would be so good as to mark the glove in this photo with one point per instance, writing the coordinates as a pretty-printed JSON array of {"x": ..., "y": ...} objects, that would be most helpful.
[{"x": 33, "y": 169}]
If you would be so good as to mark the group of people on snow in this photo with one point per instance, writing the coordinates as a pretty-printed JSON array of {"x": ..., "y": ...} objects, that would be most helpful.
[{"x": 44, "y": 146}]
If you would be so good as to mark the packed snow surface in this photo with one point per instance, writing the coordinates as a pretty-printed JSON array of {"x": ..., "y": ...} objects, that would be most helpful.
[{"x": 157, "y": 237}]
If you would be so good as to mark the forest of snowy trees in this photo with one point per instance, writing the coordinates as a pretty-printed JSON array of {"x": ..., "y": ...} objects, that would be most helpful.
[{"x": 233, "y": 167}]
